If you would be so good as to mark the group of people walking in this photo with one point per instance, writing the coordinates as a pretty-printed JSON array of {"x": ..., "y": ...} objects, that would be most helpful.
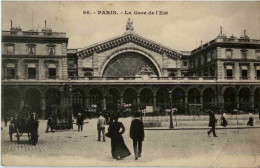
[{"x": 115, "y": 131}]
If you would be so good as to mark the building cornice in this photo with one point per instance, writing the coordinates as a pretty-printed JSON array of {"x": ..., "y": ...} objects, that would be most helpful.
[{"x": 128, "y": 38}]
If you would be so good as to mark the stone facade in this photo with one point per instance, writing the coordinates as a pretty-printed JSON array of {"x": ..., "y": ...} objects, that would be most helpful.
[{"x": 39, "y": 70}]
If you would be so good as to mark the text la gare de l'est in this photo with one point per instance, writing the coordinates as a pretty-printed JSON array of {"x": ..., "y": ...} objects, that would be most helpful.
[{"x": 127, "y": 12}]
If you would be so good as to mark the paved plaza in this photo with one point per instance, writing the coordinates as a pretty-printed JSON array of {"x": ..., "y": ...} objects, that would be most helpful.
[{"x": 232, "y": 148}]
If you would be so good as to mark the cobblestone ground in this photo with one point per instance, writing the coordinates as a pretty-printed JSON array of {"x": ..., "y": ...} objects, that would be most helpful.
[{"x": 232, "y": 148}]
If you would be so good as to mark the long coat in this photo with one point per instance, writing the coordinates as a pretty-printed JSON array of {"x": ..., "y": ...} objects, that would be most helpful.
[
  {"x": 137, "y": 130},
  {"x": 212, "y": 119}
]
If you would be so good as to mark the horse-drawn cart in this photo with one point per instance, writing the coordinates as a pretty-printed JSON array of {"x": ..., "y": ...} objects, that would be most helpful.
[{"x": 19, "y": 127}]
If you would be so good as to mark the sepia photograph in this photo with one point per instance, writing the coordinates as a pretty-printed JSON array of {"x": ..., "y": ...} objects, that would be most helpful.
[{"x": 130, "y": 84}]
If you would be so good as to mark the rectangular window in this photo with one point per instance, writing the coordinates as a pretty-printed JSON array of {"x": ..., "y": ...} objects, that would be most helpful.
[
  {"x": 52, "y": 72},
  {"x": 10, "y": 50},
  {"x": 229, "y": 73},
  {"x": 31, "y": 73},
  {"x": 229, "y": 53},
  {"x": 10, "y": 73},
  {"x": 31, "y": 50},
  {"x": 51, "y": 51},
  {"x": 244, "y": 54},
  {"x": 185, "y": 63},
  {"x": 244, "y": 73},
  {"x": 257, "y": 52},
  {"x": 258, "y": 74}
]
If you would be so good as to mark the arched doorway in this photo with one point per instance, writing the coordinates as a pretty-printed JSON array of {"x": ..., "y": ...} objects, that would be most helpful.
[
  {"x": 178, "y": 100},
  {"x": 113, "y": 100},
  {"x": 257, "y": 98},
  {"x": 33, "y": 99},
  {"x": 130, "y": 98},
  {"x": 78, "y": 101},
  {"x": 53, "y": 103},
  {"x": 208, "y": 98},
  {"x": 96, "y": 99},
  {"x": 162, "y": 98},
  {"x": 10, "y": 102},
  {"x": 229, "y": 99},
  {"x": 146, "y": 98},
  {"x": 193, "y": 96},
  {"x": 244, "y": 99}
]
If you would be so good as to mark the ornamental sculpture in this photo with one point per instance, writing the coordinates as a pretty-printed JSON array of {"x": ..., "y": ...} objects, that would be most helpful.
[{"x": 129, "y": 25}]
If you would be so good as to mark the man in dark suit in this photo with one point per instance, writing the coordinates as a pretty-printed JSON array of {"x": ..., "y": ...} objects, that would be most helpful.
[
  {"x": 33, "y": 126},
  {"x": 49, "y": 124},
  {"x": 212, "y": 122},
  {"x": 137, "y": 134}
]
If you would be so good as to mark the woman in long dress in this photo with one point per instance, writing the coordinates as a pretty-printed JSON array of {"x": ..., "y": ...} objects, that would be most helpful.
[
  {"x": 118, "y": 148},
  {"x": 223, "y": 119}
]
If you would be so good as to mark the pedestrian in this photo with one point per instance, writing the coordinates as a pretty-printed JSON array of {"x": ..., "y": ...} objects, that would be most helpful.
[
  {"x": 118, "y": 148},
  {"x": 80, "y": 122},
  {"x": 137, "y": 134},
  {"x": 34, "y": 125},
  {"x": 49, "y": 124},
  {"x": 250, "y": 120},
  {"x": 212, "y": 122},
  {"x": 223, "y": 119},
  {"x": 101, "y": 127},
  {"x": 5, "y": 120}
]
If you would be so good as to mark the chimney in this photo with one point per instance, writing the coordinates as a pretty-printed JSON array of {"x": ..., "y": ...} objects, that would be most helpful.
[
  {"x": 45, "y": 24},
  {"x": 11, "y": 24},
  {"x": 220, "y": 30}
]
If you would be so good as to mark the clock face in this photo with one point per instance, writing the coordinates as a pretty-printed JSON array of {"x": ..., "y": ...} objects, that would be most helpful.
[{"x": 128, "y": 65}]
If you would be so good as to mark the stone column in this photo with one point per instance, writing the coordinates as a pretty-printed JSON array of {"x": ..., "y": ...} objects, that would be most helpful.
[
  {"x": 22, "y": 100},
  {"x": 186, "y": 101},
  {"x": 201, "y": 100},
  {"x": 121, "y": 100},
  {"x": 237, "y": 101},
  {"x": 154, "y": 100},
  {"x": 138, "y": 102},
  {"x": 104, "y": 103},
  {"x": 43, "y": 106},
  {"x": 252, "y": 100},
  {"x": 87, "y": 101}
]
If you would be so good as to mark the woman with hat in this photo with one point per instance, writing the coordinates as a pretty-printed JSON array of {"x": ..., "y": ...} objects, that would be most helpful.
[{"x": 118, "y": 148}]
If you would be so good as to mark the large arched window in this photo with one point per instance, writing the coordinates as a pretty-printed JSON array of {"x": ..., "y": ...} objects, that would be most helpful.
[{"x": 129, "y": 64}]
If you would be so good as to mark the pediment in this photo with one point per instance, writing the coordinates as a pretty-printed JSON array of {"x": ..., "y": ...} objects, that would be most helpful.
[{"x": 128, "y": 38}]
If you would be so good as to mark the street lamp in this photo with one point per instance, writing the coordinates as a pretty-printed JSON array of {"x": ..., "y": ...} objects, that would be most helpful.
[{"x": 170, "y": 94}]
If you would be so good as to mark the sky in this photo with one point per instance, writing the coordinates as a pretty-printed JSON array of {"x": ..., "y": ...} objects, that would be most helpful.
[{"x": 183, "y": 28}]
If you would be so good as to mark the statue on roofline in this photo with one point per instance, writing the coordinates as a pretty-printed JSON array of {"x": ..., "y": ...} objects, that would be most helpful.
[{"x": 129, "y": 25}]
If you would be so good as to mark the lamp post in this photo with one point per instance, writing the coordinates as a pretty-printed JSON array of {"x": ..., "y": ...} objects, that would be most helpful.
[{"x": 171, "y": 124}]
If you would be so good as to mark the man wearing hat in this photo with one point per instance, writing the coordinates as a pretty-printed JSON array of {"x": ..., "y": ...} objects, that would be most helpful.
[
  {"x": 137, "y": 134},
  {"x": 49, "y": 124},
  {"x": 101, "y": 127},
  {"x": 34, "y": 125},
  {"x": 80, "y": 122}
]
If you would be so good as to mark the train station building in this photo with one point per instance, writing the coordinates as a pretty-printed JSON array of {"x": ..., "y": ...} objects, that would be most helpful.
[{"x": 127, "y": 72}]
